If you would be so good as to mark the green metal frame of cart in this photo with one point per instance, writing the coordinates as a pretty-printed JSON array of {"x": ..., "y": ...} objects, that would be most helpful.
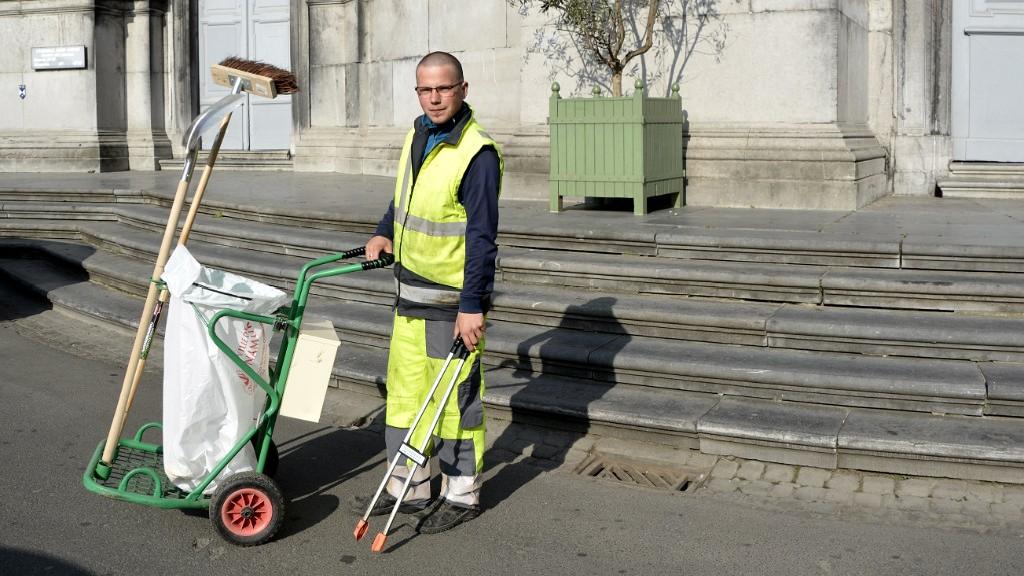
[{"x": 136, "y": 472}]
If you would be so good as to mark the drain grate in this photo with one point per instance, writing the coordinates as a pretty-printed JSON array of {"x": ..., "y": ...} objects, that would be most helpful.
[{"x": 641, "y": 473}]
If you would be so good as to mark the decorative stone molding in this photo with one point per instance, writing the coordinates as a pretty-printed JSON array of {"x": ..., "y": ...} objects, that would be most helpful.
[
  {"x": 816, "y": 166},
  {"x": 63, "y": 151}
]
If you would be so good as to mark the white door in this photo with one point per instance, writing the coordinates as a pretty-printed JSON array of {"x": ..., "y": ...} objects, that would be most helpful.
[
  {"x": 255, "y": 30},
  {"x": 988, "y": 83}
]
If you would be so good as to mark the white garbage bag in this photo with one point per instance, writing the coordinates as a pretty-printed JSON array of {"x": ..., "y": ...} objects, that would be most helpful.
[{"x": 209, "y": 402}]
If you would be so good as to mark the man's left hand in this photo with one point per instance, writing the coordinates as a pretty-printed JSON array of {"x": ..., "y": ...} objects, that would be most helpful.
[{"x": 471, "y": 328}]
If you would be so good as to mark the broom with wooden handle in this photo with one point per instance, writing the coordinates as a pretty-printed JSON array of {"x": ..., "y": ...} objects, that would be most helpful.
[{"x": 242, "y": 75}]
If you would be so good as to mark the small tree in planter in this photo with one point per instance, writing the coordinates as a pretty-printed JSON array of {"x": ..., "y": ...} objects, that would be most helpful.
[
  {"x": 684, "y": 29},
  {"x": 613, "y": 147},
  {"x": 599, "y": 27}
]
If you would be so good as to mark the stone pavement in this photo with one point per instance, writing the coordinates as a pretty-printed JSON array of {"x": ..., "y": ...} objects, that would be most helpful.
[{"x": 971, "y": 505}]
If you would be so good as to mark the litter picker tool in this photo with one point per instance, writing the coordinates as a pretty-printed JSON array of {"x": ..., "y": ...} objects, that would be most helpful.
[
  {"x": 255, "y": 77},
  {"x": 417, "y": 456}
]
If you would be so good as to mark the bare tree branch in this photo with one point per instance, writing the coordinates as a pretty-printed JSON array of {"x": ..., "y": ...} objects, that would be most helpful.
[
  {"x": 652, "y": 13},
  {"x": 620, "y": 27},
  {"x": 597, "y": 32}
]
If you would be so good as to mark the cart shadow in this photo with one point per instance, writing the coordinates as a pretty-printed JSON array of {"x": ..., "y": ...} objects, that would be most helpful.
[
  {"x": 312, "y": 465},
  {"x": 528, "y": 432}
]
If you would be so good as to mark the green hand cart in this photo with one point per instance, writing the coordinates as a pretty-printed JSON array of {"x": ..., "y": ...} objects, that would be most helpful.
[{"x": 247, "y": 508}]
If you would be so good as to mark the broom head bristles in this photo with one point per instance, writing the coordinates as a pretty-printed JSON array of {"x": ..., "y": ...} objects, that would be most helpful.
[{"x": 258, "y": 78}]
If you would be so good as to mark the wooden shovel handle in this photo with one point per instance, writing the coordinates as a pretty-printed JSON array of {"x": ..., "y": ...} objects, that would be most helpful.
[{"x": 121, "y": 412}]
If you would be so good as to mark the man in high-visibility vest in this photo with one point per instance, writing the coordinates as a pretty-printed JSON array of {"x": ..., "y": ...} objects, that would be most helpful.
[{"x": 441, "y": 226}]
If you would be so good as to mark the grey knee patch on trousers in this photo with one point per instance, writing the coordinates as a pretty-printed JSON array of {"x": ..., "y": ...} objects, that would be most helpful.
[
  {"x": 393, "y": 438},
  {"x": 439, "y": 344},
  {"x": 457, "y": 457},
  {"x": 439, "y": 336},
  {"x": 471, "y": 406}
]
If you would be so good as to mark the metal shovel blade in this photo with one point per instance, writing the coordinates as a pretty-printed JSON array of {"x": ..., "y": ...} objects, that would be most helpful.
[{"x": 210, "y": 118}]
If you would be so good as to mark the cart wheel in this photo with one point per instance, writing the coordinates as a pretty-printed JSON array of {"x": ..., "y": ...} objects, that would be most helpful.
[
  {"x": 270, "y": 466},
  {"x": 248, "y": 509}
]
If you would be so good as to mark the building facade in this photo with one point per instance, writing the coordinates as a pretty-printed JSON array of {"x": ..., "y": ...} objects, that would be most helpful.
[{"x": 825, "y": 104}]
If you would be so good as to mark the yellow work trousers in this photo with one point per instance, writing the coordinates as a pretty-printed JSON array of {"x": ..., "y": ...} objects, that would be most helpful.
[{"x": 418, "y": 350}]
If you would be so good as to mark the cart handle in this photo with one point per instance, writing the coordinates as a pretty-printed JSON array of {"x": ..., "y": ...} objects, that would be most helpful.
[
  {"x": 386, "y": 259},
  {"x": 327, "y": 260},
  {"x": 306, "y": 284}
]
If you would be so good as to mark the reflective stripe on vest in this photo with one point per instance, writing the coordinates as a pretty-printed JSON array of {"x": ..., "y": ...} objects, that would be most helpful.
[
  {"x": 413, "y": 222},
  {"x": 431, "y": 228},
  {"x": 432, "y": 296}
]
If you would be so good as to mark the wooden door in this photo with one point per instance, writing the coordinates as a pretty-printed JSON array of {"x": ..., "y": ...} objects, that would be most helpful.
[
  {"x": 255, "y": 30},
  {"x": 988, "y": 83}
]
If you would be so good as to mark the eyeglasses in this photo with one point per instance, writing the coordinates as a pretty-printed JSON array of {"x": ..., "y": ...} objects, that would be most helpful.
[{"x": 423, "y": 91}]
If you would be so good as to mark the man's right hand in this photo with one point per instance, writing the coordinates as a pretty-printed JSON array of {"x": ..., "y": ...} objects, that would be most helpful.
[{"x": 376, "y": 245}]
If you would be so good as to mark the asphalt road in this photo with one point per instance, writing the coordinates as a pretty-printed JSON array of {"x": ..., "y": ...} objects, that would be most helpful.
[{"x": 56, "y": 407}]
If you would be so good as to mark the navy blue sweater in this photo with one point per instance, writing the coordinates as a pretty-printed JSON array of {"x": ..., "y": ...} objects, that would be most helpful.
[{"x": 478, "y": 194}]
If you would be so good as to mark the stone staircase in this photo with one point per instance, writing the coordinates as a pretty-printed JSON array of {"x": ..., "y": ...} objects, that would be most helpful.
[
  {"x": 868, "y": 351},
  {"x": 277, "y": 160},
  {"x": 983, "y": 180}
]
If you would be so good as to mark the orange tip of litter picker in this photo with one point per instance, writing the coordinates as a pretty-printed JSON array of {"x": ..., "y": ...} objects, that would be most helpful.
[
  {"x": 378, "y": 542},
  {"x": 360, "y": 530}
]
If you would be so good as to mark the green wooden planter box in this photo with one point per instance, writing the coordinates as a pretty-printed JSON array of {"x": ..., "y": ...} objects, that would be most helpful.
[{"x": 628, "y": 147}]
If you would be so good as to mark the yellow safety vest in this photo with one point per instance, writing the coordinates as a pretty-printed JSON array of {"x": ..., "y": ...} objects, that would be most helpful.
[{"x": 430, "y": 223}]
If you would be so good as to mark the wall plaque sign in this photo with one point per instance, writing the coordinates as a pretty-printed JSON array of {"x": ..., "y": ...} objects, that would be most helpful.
[{"x": 58, "y": 58}]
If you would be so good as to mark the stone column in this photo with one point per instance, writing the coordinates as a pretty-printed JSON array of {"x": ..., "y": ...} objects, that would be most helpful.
[
  {"x": 880, "y": 77},
  {"x": 179, "y": 108},
  {"x": 328, "y": 55},
  {"x": 922, "y": 145},
  {"x": 147, "y": 140},
  {"x": 109, "y": 99}
]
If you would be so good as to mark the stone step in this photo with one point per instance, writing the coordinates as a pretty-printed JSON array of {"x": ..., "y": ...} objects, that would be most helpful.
[
  {"x": 982, "y": 180},
  {"x": 942, "y": 386},
  {"x": 275, "y": 269},
  {"x": 260, "y": 237},
  {"x": 983, "y": 448},
  {"x": 782, "y": 247},
  {"x": 898, "y": 333},
  {"x": 880, "y": 242},
  {"x": 1009, "y": 186},
  {"x": 280, "y": 160},
  {"x": 960, "y": 168},
  {"x": 54, "y": 193},
  {"x": 837, "y": 329},
  {"x": 830, "y": 286},
  {"x": 264, "y": 237}
]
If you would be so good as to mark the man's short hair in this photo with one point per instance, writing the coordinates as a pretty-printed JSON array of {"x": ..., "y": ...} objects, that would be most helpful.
[{"x": 442, "y": 59}]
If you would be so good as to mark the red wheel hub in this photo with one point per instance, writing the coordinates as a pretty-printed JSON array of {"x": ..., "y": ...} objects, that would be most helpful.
[{"x": 246, "y": 512}]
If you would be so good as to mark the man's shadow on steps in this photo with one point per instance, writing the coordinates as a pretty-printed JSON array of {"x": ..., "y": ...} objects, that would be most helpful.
[{"x": 558, "y": 375}]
